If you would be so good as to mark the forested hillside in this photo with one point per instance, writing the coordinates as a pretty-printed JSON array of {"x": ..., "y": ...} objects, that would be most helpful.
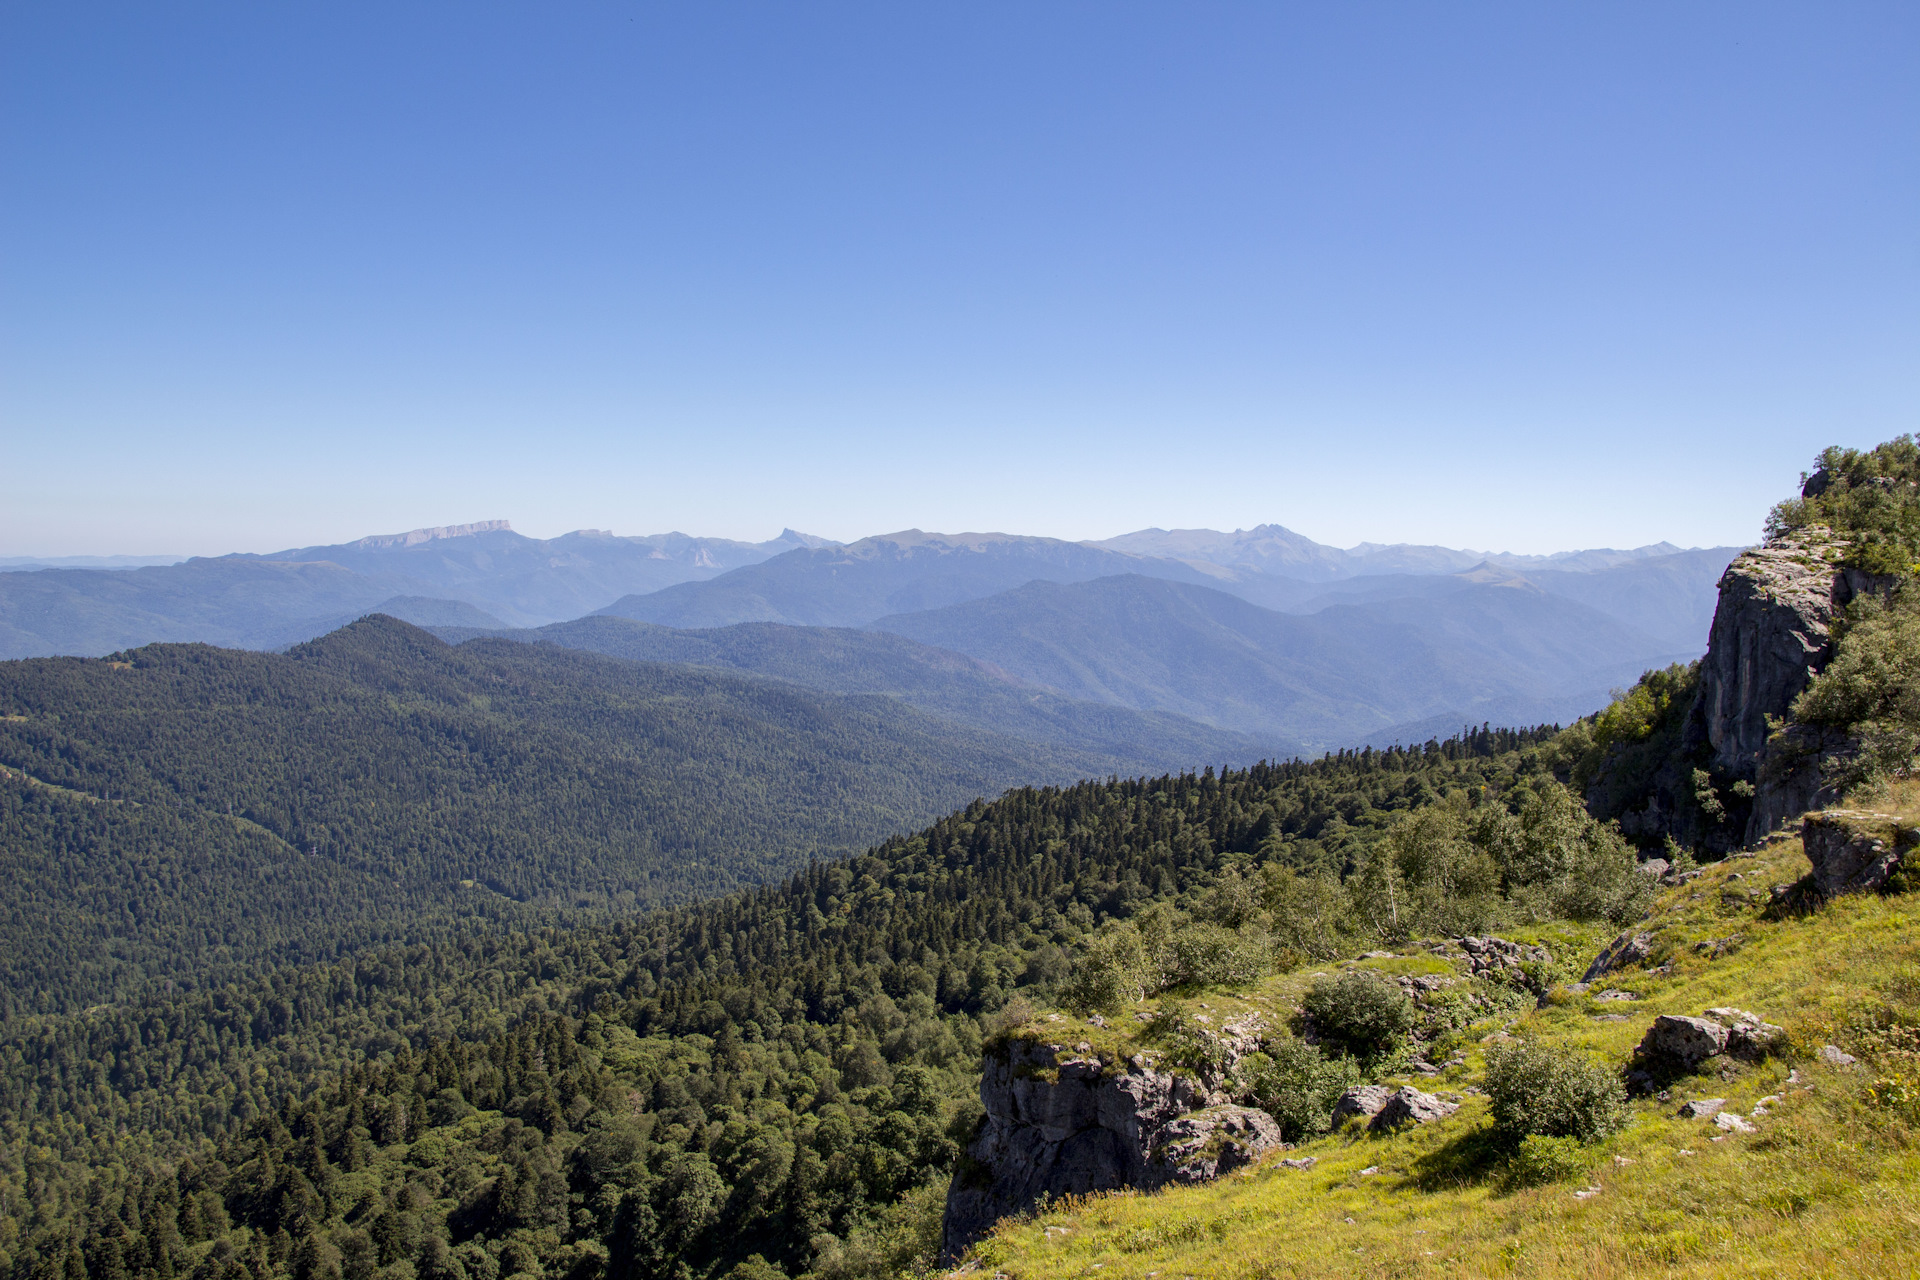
[
  {"x": 938, "y": 681},
  {"x": 781, "y": 1072},
  {"x": 186, "y": 814}
]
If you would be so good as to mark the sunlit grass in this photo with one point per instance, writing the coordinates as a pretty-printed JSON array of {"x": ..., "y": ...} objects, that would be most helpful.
[{"x": 1830, "y": 1185}]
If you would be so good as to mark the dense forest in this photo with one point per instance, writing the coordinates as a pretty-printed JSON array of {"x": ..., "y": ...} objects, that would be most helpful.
[
  {"x": 775, "y": 1081},
  {"x": 181, "y": 814}
]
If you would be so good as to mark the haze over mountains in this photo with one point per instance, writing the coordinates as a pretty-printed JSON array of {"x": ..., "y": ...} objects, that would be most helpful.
[{"x": 1156, "y": 649}]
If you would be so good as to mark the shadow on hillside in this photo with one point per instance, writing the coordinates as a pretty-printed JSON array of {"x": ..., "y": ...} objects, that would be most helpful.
[{"x": 1473, "y": 1157}]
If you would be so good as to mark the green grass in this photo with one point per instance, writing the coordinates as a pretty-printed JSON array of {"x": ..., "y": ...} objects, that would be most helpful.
[{"x": 1830, "y": 1183}]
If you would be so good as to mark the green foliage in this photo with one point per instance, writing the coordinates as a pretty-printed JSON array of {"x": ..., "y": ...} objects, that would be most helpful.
[
  {"x": 774, "y": 1072},
  {"x": 1540, "y": 1160},
  {"x": 1292, "y": 1082},
  {"x": 1870, "y": 689},
  {"x": 1870, "y": 500},
  {"x": 1361, "y": 1015},
  {"x": 1186, "y": 1039},
  {"x": 206, "y": 812},
  {"x": 1554, "y": 1092}
]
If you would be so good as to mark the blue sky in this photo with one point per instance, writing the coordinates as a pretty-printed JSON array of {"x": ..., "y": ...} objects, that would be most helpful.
[{"x": 1507, "y": 276}]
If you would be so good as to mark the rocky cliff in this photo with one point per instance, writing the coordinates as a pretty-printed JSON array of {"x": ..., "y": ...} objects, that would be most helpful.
[
  {"x": 1771, "y": 636},
  {"x": 1066, "y": 1120}
]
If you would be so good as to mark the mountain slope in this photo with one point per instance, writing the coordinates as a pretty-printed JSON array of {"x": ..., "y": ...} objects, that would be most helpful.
[
  {"x": 905, "y": 572},
  {"x": 1326, "y": 678},
  {"x": 937, "y": 681},
  {"x": 266, "y": 601},
  {"x": 389, "y": 780}
]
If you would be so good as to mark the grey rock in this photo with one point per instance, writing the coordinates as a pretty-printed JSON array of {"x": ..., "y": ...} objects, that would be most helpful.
[
  {"x": 1631, "y": 947},
  {"x": 1702, "y": 1108},
  {"x": 1854, "y": 851},
  {"x": 1682, "y": 1044},
  {"x": 1363, "y": 1100},
  {"x": 1728, "y": 1122},
  {"x": 1060, "y": 1122},
  {"x": 1410, "y": 1106},
  {"x": 1617, "y": 995},
  {"x": 1835, "y": 1056},
  {"x": 1304, "y": 1162},
  {"x": 1211, "y": 1143}
]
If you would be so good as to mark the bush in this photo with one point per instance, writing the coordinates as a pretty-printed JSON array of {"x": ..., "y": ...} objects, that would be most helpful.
[
  {"x": 1186, "y": 1041},
  {"x": 1108, "y": 974},
  {"x": 1542, "y": 1091},
  {"x": 1295, "y": 1085},
  {"x": 1206, "y": 955},
  {"x": 1361, "y": 1015},
  {"x": 1539, "y": 1160}
]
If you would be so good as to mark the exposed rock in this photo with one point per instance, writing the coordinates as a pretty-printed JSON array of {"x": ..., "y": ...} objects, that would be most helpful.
[
  {"x": 1731, "y": 1123},
  {"x": 1655, "y": 867},
  {"x": 1410, "y": 1106},
  {"x": 1304, "y": 1162},
  {"x": 1835, "y": 1056},
  {"x": 1362, "y": 1100},
  {"x": 1769, "y": 639},
  {"x": 1064, "y": 1122},
  {"x": 1702, "y": 1108},
  {"x": 1630, "y": 947},
  {"x": 1496, "y": 958},
  {"x": 1211, "y": 1143},
  {"x": 1855, "y": 851},
  {"x": 1617, "y": 995},
  {"x": 1682, "y": 1044}
]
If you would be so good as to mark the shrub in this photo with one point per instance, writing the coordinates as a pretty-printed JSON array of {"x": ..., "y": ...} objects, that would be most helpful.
[
  {"x": 1186, "y": 1041},
  {"x": 1295, "y": 1085},
  {"x": 1540, "y": 1090},
  {"x": 1108, "y": 974},
  {"x": 1539, "y": 1160},
  {"x": 1361, "y": 1015},
  {"x": 1206, "y": 955}
]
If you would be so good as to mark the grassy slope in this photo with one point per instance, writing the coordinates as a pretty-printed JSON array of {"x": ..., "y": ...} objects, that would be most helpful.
[{"x": 1828, "y": 1185}]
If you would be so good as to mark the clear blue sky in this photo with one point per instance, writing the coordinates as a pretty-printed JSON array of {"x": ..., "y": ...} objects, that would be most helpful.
[{"x": 1512, "y": 276}]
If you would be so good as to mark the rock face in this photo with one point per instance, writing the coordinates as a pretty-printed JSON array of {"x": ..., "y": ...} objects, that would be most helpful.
[
  {"x": 1630, "y": 947},
  {"x": 1678, "y": 1045},
  {"x": 1410, "y": 1106},
  {"x": 1769, "y": 638},
  {"x": 1854, "y": 851},
  {"x": 1364, "y": 1100},
  {"x": 1063, "y": 1123},
  {"x": 1771, "y": 635},
  {"x": 1211, "y": 1143}
]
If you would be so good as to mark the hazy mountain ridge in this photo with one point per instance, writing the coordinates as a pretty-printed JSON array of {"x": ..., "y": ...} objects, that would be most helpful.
[
  {"x": 937, "y": 681},
  {"x": 1328, "y": 678}
]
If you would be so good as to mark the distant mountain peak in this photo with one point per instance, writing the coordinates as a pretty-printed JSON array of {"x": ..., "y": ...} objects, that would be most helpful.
[{"x": 415, "y": 537}]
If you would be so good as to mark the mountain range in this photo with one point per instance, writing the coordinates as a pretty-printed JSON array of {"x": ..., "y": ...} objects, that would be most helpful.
[{"x": 1157, "y": 649}]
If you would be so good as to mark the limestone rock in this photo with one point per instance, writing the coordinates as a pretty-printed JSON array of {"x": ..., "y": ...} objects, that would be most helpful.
[
  {"x": 1728, "y": 1122},
  {"x": 1061, "y": 1121},
  {"x": 1211, "y": 1143},
  {"x": 1630, "y": 947},
  {"x": 1304, "y": 1162},
  {"x": 1702, "y": 1108},
  {"x": 1854, "y": 851},
  {"x": 1410, "y": 1106},
  {"x": 1682, "y": 1044},
  {"x": 1835, "y": 1056},
  {"x": 1364, "y": 1100}
]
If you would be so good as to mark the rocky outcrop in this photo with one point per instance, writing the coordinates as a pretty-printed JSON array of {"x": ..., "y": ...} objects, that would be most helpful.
[
  {"x": 1676, "y": 1045},
  {"x": 1854, "y": 851},
  {"x": 1629, "y": 948},
  {"x": 1409, "y": 1105},
  {"x": 1771, "y": 636},
  {"x": 1065, "y": 1121}
]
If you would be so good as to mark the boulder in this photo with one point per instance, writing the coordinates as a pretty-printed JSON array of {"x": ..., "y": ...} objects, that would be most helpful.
[
  {"x": 1835, "y": 1056},
  {"x": 1363, "y": 1100},
  {"x": 1702, "y": 1108},
  {"x": 1676, "y": 1043},
  {"x": 1496, "y": 957},
  {"x": 1630, "y": 947},
  {"x": 1855, "y": 851},
  {"x": 1727, "y": 1122},
  {"x": 1410, "y": 1106},
  {"x": 1060, "y": 1120},
  {"x": 1211, "y": 1143},
  {"x": 1304, "y": 1162}
]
